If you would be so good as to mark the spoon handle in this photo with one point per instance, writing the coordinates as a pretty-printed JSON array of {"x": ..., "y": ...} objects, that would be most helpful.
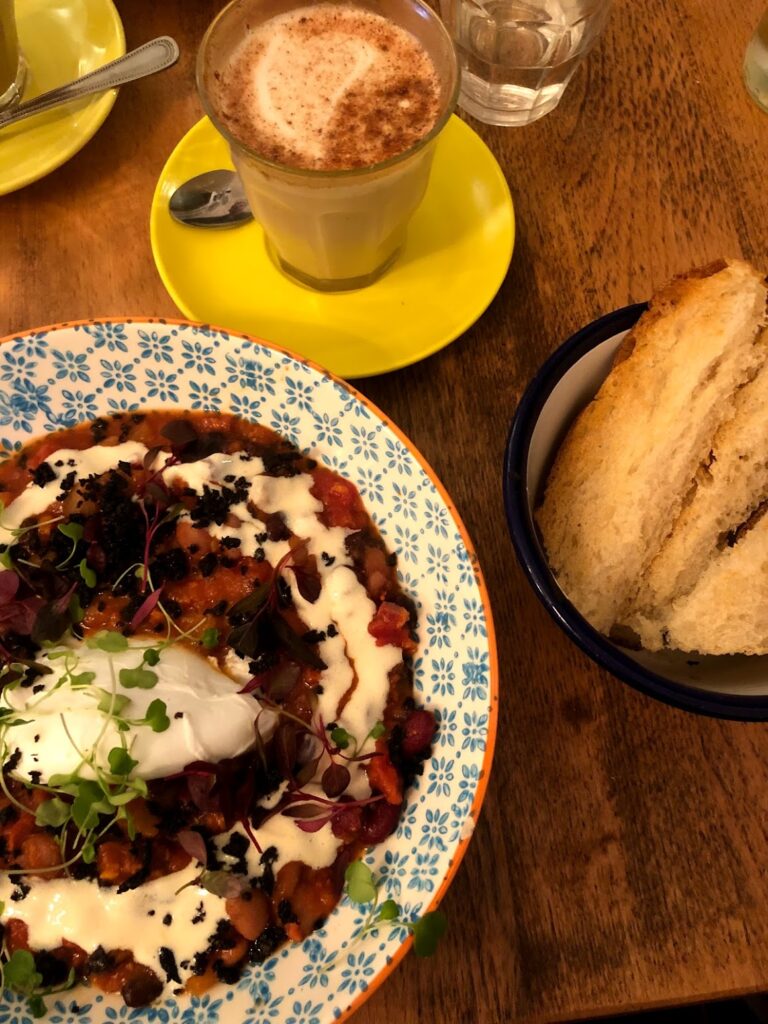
[{"x": 153, "y": 56}]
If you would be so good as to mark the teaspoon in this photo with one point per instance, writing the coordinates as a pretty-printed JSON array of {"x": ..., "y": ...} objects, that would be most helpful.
[
  {"x": 153, "y": 56},
  {"x": 214, "y": 199}
]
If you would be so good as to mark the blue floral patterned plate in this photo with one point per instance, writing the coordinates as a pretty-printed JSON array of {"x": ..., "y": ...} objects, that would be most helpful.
[{"x": 57, "y": 376}]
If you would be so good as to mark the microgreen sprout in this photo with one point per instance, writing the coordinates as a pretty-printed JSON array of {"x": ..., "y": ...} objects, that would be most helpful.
[
  {"x": 73, "y": 532},
  {"x": 87, "y": 574},
  {"x": 19, "y": 973}
]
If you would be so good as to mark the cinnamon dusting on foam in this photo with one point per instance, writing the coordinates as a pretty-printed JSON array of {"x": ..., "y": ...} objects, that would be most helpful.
[{"x": 330, "y": 87}]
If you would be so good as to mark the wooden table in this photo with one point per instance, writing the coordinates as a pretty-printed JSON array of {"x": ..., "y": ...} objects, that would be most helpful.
[{"x": 620, "y": 861}]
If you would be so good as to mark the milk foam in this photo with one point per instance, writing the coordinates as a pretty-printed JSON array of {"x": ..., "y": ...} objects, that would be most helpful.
[{"x": 329, "y": 87}]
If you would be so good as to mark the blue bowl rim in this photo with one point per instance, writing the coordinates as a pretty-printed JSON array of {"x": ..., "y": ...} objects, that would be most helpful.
[{"x": 529, "y": 552}]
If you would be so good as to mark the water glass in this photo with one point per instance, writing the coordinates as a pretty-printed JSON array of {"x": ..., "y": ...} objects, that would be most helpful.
[
  {"x": 12, "y": 66},
  {"x": 756, "y": 64},
  {"x": 517, "y": 56}
]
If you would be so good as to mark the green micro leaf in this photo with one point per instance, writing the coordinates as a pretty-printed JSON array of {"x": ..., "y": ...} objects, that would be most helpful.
[
  {"x": 53, "y": 812},
  {"x": 20, "y": 972},
  {"x": 223, "y": 883},
  {"x": 121, "y": 799},
  {"x": 210, "y": 638},
  {"x": 361, "y": 887},
  {"x": 151, "y": 656},
  {"x": 81, "y": 680},
  {"x": 88, "y": 804},
  {"x": 427, "y": 932},
  {"x": 389, "y": 911},
  {"x": 340, "y": 737},
  {"x": 5, "y": 559},
  {"x": 108, "y": 641},
  {"x": 88, "y": 853},
  {"x": 76, "y": 610},
  {"x": 377, "y": 731},
  {"x": 157, "y": 718},
  {"x": 143, "y": 678},
  {"x": 120, "y": 761},
  {"x": 36, "y": 1005},
  {"x": 87, "y": 574},
  {"x": 72, "y": 530},
  {"x": 114, "y": 703}
]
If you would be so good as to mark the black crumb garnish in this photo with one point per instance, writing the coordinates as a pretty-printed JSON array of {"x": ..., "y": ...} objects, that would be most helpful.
[
  {"x": 266, "y": 944},
  {"x": 13, "y": 760},
  {"x": 328, "y": 559},
  {"x": 99, "y": 961},
  {"x": 68, "y": 482},
  {"x": 43, "y": 474},
  {"x": 207, "y": 564},
  {"x": 230, "y": 542},
  {"x": 229, "y": 975},
  {"x": 169, "y": 565},
  {"x": 199, "y": 963},
  {"x": 168, "y": 920},
  {"x": 179, "y": 714},
  {"x": 331, "y": 630},
  {"x": 199, "y": 913},
  {"x": 20, "y": 892},
  {"x": 168, "y": 964},
  {"x": 34, "y": 777},
  {"x": 313, "y": 636},
  {"x": 285, "y": 912}
]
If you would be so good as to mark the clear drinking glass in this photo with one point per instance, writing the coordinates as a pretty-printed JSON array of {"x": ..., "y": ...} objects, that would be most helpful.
[
  {"x": 332, "y": 230},
  {"x": 517, "y": 56},
  {"x": 756, "y": 64},
  {"x": 12, "y": 66}
]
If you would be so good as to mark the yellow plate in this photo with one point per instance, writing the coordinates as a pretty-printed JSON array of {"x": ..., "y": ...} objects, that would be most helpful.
[
  {"x": 61, "y": 40},
  {"x": 456, "y": 255}
]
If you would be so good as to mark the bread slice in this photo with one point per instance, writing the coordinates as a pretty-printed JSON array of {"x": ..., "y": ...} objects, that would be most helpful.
[
  {"x": 726, "y": 612},
  {"x": 621, "y": 477},
  {"x": 727, "y": 493}
]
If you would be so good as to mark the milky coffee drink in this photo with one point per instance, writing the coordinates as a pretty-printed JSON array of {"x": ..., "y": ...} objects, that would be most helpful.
[
  {"x": 331, "y": 111},
  {"x": 329, "y": 88}
]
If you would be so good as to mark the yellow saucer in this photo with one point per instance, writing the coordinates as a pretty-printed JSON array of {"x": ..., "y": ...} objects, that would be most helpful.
[
  {"x": 456, "y": 255},
  {"x": 61, "y": 40}
]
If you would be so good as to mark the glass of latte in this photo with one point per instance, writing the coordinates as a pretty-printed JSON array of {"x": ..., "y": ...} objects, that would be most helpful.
[{"x": 332, "y": 111}]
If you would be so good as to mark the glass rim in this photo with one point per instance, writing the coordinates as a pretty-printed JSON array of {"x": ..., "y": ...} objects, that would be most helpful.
[{"x": 313, "y": 173}]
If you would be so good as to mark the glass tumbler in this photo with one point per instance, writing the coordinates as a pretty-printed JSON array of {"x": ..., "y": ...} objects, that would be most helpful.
[
  {"x": 756, "y": 64},
  {"x": 331, "y": 230},
  {"x": 12, "y": 66},
  {"x": 517, "y": 56}
]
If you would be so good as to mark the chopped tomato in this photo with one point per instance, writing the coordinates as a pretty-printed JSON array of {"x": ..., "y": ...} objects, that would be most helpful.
[
  {"x": 383, "y": 776},
  {"x": 390, "y": 625},
  {"x": 116, "y": 862},
  {"x": 340, "y": 499},
  {"x": 15, "y": 833},
  {"x": 249, "y": 913},
  {"x": 40, "y": 850},
  {"x": 16, "y": 935}
]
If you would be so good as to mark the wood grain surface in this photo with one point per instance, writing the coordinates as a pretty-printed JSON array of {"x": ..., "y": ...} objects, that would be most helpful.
[{"x": 620, "y": 861}]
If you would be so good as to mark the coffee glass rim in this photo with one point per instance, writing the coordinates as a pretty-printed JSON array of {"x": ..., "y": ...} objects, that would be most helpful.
[{"x": 315, "y": 173}]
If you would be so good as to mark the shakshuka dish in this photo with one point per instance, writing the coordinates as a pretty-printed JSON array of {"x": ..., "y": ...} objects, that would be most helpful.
[{"x": 207, "y": 709}]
